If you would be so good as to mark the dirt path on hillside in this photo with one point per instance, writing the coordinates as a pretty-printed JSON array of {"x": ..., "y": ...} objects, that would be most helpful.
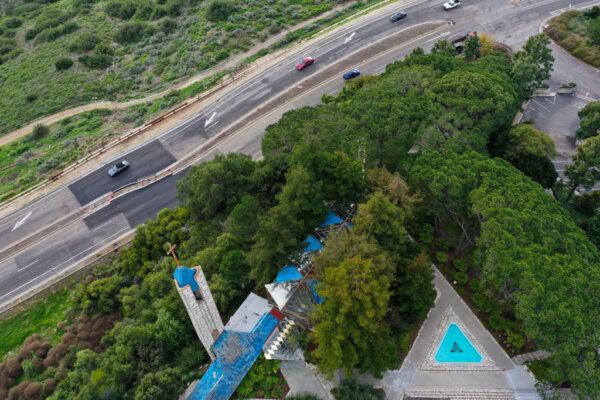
[{"x": 231, "y": 62}]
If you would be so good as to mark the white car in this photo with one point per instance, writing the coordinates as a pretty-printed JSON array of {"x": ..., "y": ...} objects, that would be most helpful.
[{"x": 449, "y": 5}]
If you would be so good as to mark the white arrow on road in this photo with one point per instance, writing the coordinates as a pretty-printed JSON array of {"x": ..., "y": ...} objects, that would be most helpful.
[
  {"x": 349, "y": 38},
  {"x": 210, "y": 120},
  {"x": 21, "y": 221}
]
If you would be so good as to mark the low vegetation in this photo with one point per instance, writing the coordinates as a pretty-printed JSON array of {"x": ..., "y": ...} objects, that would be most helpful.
[
  {"x": 68, "y": 52},
  {"x": 49, "y": 149},
  {"x": 41, "y": 318},
  {"x": 411, "y": 148},
  {"x": 579, "y": 33}
]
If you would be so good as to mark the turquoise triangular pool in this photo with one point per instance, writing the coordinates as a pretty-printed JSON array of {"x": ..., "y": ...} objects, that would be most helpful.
[{"x": 456, "y": 348}]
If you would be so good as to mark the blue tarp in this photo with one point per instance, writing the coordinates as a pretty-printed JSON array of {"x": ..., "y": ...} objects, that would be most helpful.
[
  {"x": 312, "y": 285},
  {"x": 313, "y": 244},
  {"x": 236, "y": 353},
  {"x": 185, "y": 276},
  {"x": 331, "y": 219},
  {"x": 289, "y": 273}
]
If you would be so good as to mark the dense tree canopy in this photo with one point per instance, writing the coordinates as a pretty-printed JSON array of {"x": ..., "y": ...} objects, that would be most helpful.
[
  {"x": 589, "y": 124},
  {"x": 531, "y": 253},
  {"x": 531, "y": 151},
  {"x": 533, "y": 64}
]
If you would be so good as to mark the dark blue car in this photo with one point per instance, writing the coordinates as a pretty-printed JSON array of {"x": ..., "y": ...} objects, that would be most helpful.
[
  {"x": 398, "y": 16},
  {"x": 353, "y": 73}
]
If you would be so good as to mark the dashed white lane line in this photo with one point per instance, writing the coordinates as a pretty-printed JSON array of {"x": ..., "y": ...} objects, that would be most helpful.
[
  {"x": 28, "y": 265},
  {"x": 442, "y": 35},
  {"x": 62, "y": 263},
  {"x": 21, "y": 221}
]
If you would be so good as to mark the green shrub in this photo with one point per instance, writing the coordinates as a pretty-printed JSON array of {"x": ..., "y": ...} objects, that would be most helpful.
[
  {"x": 85, "y": 41},
  {"x": 12, "y": 23},
  {"x": 581, "y": 52},
  {"x": 220, "y": 10},
  {"x": 497, "y": 322},
  {"x": 461, "y": 278},
  {"x": 105, "y": 49},
  {"x": 570, "y": 43},
  {"x": 121, "y": 9},
  {"x": 593, "y": 59},
  {"x": 592, "y": 13},
  {"x": 52, "y": 34},
  {"x": 63, "y": 64},
  {"x": 516, "y": 341},
  {"x": 48, "y": 20},
  {"x": 132, "y": 32},
  {"x": 40, "y": 131},
  {"x": 593, "y": 30},
  {"x": 168, "y": 25},
  {"x": 441, "y": 257},
  {"x": 352, "y": 390},
  {"x": 577, "y": 25},
  {"x": 173, "y": 7},
  {"x": 145, "y": 11},
  {"x": 460, "y": 264},
  {"x": 96, "y": 61}
]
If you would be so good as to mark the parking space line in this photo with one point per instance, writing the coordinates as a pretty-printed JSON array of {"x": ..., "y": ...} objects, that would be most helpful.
[{"x": 541, "y": 105}]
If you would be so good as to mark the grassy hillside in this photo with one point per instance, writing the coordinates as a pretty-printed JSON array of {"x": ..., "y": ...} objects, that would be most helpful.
[{"x": 59, "y": 53}]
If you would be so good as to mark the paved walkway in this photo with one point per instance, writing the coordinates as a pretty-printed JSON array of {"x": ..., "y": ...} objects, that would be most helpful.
[
  {"x": 533, "y": 356},
  {"x": 496, "y": 377},
  {"x": 302, "y": 379}
]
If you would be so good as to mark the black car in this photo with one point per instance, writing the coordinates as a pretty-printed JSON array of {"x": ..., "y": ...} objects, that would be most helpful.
[
  {"x": 118, "y": 168},
  {"x": 398, "y": 16}
]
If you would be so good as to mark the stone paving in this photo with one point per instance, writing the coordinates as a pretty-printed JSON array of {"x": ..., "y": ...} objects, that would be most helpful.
[
  {"x": 528, "y": 357},
  {"x": 496, "y": 377}
]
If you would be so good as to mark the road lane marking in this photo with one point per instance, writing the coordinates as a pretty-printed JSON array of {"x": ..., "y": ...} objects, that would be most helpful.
[
  {"x": 349, "y": 38},
  {"x": 443, "y": 35},
  {"x": 28, "y": 265},
  {"x": 57, "y": 266},
  {"x": 210, "y": 119},
  {"x": 21, "y": 221}
]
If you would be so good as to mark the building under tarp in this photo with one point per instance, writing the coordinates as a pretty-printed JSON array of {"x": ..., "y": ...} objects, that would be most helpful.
[{"x": 237, "y": 349}]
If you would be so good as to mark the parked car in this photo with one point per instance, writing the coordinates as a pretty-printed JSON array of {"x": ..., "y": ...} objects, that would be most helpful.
[
  {"x": 398, "y": 16},
  {"x": 449, "y": 5},
  {"x": 459, "y": 41},
  {"x": 119, "y": 167},
  {"x": 353, "y": 73},
  {"x": 305, "y": 63}
]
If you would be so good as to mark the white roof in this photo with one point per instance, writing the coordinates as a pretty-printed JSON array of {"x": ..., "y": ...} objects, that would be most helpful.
[
  {"x": 281, "y": 292},
  {"x": 248, "y": 314}
]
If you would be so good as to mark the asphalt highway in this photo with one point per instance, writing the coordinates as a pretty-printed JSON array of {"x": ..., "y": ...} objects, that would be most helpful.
[{"x": 507, "y": 22}]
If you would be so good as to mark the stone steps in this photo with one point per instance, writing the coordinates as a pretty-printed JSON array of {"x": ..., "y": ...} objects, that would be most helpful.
[{"x": 458, "y": 394}]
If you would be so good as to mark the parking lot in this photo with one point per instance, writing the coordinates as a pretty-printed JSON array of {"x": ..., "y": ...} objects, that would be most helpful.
[{"x": 557, "y": 116}]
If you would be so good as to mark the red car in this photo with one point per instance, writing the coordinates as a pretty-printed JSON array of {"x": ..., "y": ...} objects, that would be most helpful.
[{"x": 305, "y": 63}]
